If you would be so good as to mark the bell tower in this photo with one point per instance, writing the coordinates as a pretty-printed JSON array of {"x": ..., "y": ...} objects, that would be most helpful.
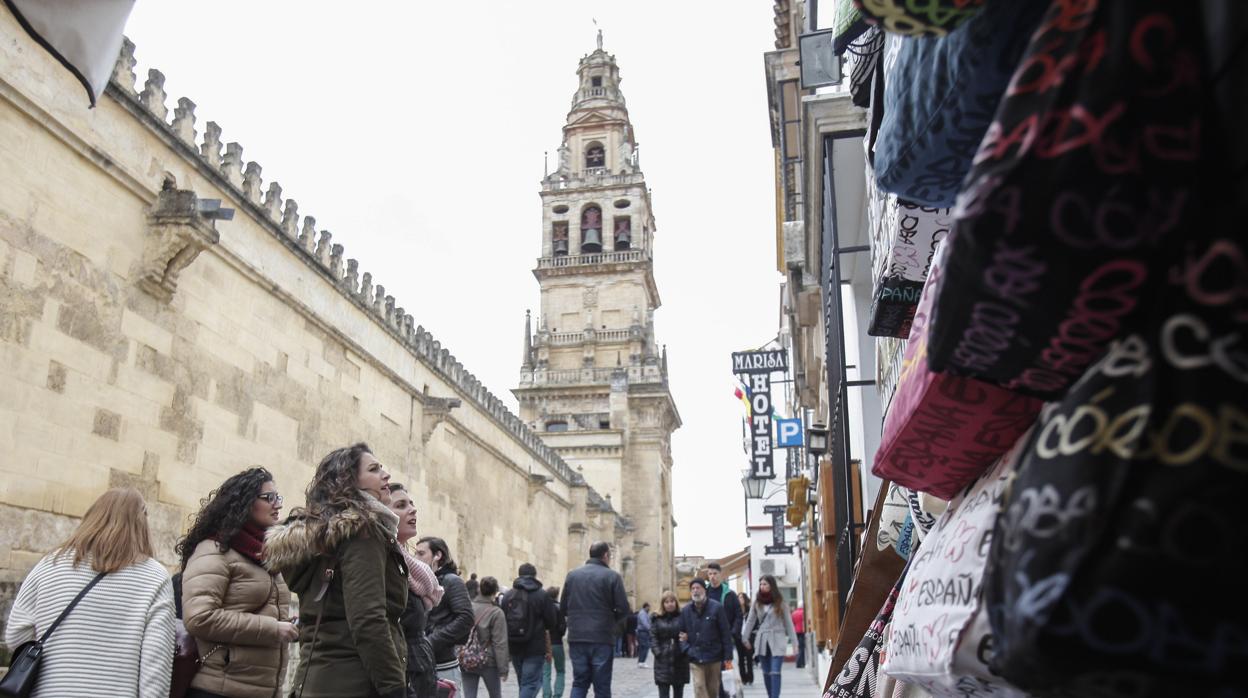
[{"x": 593, "y": 378}]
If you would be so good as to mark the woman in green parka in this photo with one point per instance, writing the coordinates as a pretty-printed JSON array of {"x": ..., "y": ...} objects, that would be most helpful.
[{"x": 341, "y": 555}]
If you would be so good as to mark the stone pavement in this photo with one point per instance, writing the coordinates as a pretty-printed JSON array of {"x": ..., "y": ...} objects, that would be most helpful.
[{"x": 630, "y": 681}]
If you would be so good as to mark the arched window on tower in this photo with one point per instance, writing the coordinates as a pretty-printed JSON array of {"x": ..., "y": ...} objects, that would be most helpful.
[
  {"x": 591, "y": 229},
  {"x": 595, "y": 156},
  {"x": 623, "y": 233},
  {"x": 559, "y": 238}
]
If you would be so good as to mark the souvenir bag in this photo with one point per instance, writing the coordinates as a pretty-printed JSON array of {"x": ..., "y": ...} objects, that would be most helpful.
[
  {"x": 943, "y": 98},
  {"x": 941, "y": 597},
  {"x": 914, "y": 231},
  {"x": 1086, "y": 169},
  {"x": 878, "y": 570},
  {"x": 928, "y": 18},
  {"x": 1119, "y": 547},
  {"x": 857, "y": 678},
  {"x": 942, "y": 431},
  {"x": 848, "y": 23}
]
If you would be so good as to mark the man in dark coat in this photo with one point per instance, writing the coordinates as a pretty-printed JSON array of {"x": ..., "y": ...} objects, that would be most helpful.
[
  {"x": 717, "y": 590},
  {"x": 707, "y": 639},
  {"x": 530, "y": 616},
  {"x": 594, "y": 599}
]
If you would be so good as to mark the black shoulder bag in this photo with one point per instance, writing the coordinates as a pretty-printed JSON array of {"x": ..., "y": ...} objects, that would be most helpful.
[{"x": 24, "y": 669}]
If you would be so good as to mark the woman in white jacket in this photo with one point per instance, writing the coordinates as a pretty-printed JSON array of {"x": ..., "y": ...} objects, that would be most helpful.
[
  {"x": 118, "y": 641},
  {"x": 770, "y": 614}
]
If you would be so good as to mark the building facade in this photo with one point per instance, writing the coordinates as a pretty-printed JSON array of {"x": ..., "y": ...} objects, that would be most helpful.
[
  {"x": 144, "y": 343},
  {"x": 593, "y": 377}
]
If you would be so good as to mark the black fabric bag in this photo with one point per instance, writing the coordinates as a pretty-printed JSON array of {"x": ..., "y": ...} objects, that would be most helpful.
[
  {"x": 23, "y": 672},
  {"x": 1085, "y": 173},
  {"x": 1118, "y": 553}
]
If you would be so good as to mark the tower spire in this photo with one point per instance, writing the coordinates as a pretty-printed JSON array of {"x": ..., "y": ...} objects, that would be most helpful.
[{"x": 528, "y": 341}]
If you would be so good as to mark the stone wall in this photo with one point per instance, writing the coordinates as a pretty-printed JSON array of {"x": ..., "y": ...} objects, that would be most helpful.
[{"x": 166, "y": 353}]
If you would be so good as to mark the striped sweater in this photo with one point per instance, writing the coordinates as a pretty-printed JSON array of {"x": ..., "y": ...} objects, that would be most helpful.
[{"x": 118, "y": 641}]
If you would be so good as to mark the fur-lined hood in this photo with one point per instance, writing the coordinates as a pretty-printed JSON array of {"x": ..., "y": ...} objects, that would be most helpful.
[{"x": 303, "y": 538}]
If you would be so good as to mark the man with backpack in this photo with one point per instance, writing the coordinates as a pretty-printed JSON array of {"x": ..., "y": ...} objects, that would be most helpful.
[{"x": 530, "y": 615}]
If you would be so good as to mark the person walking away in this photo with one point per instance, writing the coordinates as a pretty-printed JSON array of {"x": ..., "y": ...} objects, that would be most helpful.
[
  {"x": 491, "y": 629},
  {"x": 118, "y": 639},
  {"x": 341, "y": 555},
  {"x": 237, "y": 610},
  {"x": 770, "y": 614},
  {"x": 423, "y": 593},
  {"x": 593, "y": 595},
  {"x": 530, "y": 617},
  {"x": 671, "y": 664},
  {"x": 706, "y": 638},
  {"x": 799, "y": 627},
  {"x": 643, "y": 634},
  {"x": 717, "y": 590},
  {"x": 556, "y": 664},
  {"x": 746, "y": 658},
  {"x": 451, "y": 620}
]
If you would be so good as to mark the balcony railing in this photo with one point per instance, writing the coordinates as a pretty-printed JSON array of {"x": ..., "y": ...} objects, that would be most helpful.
[
  {"x": 594, "y": 177},
  {"x": 591, "y": 376},
  {"x": 559, "y": 339},
  {"x": 588, "y": 259}
]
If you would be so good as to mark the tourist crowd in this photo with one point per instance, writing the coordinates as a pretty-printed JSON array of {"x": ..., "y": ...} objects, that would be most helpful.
[{"x": 381, "y": 611}]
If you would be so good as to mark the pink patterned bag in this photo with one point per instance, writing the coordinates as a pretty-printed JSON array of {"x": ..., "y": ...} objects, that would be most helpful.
[{"x": 942, "y": 431}]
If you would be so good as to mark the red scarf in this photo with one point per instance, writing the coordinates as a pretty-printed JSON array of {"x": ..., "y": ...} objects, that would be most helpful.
[
  {"x": 249, "y": 542},
  {"x": 764, "y": 597}
]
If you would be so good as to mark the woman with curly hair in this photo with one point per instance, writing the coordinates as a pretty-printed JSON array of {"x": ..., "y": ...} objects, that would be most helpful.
[
  {"x": 237, "y": 611},
  {"x": 341, "y": 555}
]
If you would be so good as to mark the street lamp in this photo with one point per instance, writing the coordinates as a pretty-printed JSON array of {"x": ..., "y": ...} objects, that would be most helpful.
[
  {"x": 817, "y": 439},
  {"x": 754, "y": 486}
]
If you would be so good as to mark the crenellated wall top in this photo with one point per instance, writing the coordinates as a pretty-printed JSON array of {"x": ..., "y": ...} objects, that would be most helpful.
[{"x": 282, "y": 218}]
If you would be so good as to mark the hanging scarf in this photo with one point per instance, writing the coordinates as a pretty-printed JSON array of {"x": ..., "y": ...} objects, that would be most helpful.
[
  {"x": 422, "y": 582},
  {"x": 249, "y": 542}
]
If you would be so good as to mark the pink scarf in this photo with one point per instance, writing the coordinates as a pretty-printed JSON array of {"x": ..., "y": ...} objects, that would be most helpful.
[{"x": 422, "y": 581}]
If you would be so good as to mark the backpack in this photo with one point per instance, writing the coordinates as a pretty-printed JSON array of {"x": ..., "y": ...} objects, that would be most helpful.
[
  {"x": 473, "y": 654},
  {"x": 519, "y": 616}
]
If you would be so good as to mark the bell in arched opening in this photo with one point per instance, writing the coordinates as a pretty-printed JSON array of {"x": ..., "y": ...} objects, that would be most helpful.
[
  {"x": 623, "y": 234},
  {"x": 559, "y": 238},
  {"x": 591, "y": 230}
]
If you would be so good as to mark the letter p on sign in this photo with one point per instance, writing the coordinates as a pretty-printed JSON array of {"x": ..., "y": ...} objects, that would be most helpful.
[{"x": 788, "y": 433}]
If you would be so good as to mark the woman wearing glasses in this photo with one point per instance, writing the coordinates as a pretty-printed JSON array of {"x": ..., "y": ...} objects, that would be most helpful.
[{"x": 237, "y": 610}]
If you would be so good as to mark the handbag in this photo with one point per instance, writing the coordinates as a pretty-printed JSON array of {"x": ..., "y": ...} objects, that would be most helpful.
[
  {"x": 938, "y": 630},
  {"x": 473, "y": 654},
  {"x": 186, "y": 659},
  {"x": 1119, "y": 546},
  {"x": 942, "y": 431},
  {"x": 857, "y": 679},
  {"x": 931, "y": 18},
  {"x": 23, "y": 672},
  {"x": 941, "y": 94},
  {"x": 1085, "y": 173}
]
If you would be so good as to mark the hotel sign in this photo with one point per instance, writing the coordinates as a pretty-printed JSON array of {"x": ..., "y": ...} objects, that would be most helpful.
[{"x": 755, "y": 368}]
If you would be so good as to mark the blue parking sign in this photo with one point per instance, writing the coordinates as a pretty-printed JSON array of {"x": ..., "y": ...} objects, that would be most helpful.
[{"x": 788, "y": 433}]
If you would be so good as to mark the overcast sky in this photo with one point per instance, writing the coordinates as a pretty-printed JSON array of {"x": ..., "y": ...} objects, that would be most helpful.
[{"x": 415, "y": 132}]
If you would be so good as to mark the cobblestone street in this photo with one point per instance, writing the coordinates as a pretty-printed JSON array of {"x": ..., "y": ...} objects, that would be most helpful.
[{"x": 630, "y": 681}]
